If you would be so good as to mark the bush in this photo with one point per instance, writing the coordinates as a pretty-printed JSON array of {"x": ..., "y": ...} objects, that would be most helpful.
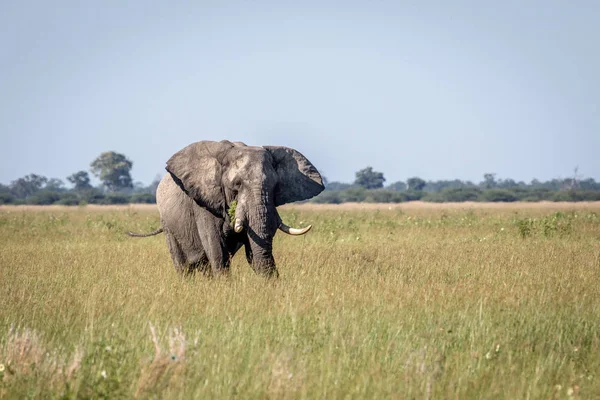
[
  {"x": 44, "y": 198},
  {"x": 328, "y": 197},
  {"x": 498, "y": 195},
  {"x": 576, "y": 195},
  {"x": 353, "y": 195},
  {"x": 414, "y": 195},
  {"x": 453, "y": 195},
  {"x": 116, "y": 198},
  {"x": 92, "y": 196},
  {"x": 146, "y": 198},
  {"x": 68, "y": 199},
  {"x": 555, "y": 224},
  {"x": 7, "y": 198},
  {"x": 385, "y": 196}
]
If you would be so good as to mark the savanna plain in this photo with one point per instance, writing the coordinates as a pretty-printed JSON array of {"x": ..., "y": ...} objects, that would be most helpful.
[{"x": 465, "y": 301}]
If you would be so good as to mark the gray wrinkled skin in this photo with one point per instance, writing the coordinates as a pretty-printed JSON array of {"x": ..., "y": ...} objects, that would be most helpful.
[{"x": 204, "y": 178}]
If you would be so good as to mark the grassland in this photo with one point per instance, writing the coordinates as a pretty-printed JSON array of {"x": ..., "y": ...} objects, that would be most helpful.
[{"x": 442, "y": 301}]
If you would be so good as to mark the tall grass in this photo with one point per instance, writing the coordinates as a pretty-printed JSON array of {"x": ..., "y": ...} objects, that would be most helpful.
[{"x": 401, "y": 303}]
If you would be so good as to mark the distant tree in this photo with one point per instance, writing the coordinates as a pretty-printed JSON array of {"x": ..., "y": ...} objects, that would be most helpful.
[
  {"x": 507, "y": 183},
  {"x": 68, "y": 198},
  {"x": 455, "y": 194},
  {"x": 397, "y": 186},
  {"x": 28, "y": 185},
  {"x": 438, "y": 186},
  {"x": 369, "y": 179},
  {"x": 498, "y": 195},
  {"x": 139, "y": 187},
  {"x": 114, "y": 170},
  {"x": 574, "y": 181},
  {"x": 328, "y": 196},
  {"x": 355, "y": 194},
  {"x": 44, "y": 197},
  {"x": 535, "y": 183},
  {"x": 154, "y": 185},
  {"x": 337, "y": 186},
  {"x": 6, "y": 197},
  {"x": 589, "y": 184},
  {"x": 489, "y": 181},
  {"x": 80, "y": 180},
  {"x": 415, "y": 183},
  {"x": 147, "y": 198},
  {"x": 55, "y": 185},
  {"x": 554, "y": 184}
]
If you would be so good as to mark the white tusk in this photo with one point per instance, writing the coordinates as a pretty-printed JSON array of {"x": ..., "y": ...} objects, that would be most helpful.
[
  {"x": 238, "y": 225},
  {"x": 294, "y": 231}
]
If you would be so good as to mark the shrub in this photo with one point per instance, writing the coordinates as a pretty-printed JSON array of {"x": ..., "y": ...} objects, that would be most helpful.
[
  {"x": 353, "y": 195},
  {"x": 385, "y": 196},
  {"x": 116, "y": 198},
  {"x": 7, "y": 198},
  {"x": 548, "y": 226},
  {"x": 44, "y": 198},
  {"x": 413, "y": 195},
  {"x": 68, "y": 199},
  {"x": 453, "y": 195},
  {"x": 92, "y": 196},
  {"x": 576, "y": 195},
  {"x": 146, "y": 198},
  {"x": 498, "y": 195},
  {"x": 328, "y": 197}
]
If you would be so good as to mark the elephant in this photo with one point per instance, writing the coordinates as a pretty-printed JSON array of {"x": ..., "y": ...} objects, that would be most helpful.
[{"x": 206, "y": 180}]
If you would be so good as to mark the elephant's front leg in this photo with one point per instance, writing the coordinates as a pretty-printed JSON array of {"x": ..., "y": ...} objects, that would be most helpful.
[{"x": 210, "y": 229}]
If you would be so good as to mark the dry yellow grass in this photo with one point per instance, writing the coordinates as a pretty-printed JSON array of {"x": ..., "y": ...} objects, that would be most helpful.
[{"x": 416, "y": 301}]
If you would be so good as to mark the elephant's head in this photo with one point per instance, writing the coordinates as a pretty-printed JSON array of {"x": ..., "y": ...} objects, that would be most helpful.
[{"x": 215, "y": 174}]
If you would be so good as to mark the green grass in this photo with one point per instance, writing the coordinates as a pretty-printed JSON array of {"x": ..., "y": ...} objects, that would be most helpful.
[{"x": 435, "y": 303}]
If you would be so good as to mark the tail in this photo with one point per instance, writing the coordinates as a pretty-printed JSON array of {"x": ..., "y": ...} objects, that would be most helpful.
[{"x": 156, "y": 232}]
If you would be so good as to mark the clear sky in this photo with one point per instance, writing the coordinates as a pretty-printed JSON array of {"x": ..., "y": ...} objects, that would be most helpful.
[{"x": 435, "y": 89}]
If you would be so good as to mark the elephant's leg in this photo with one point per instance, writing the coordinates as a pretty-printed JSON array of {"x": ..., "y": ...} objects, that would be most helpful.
[
  {"x": 216, "y": 251},
  {"x": 179, "y": 259},
  {"x": 185, "y": 258},
  {"x": 210, "y": 230},
  {"x": 197, "y": 261}
]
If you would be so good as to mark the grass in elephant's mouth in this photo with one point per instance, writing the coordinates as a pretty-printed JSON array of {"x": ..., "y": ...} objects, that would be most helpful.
[
  {"x": 231, "y": 211},
  {"x": 401, "y": 303}
]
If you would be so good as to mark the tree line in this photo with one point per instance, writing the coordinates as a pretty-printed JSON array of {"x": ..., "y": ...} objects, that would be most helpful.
[
  {"x": 117, "y": 187},
  {"x": 111, "y": 168},
  {"x": 369, "y": 187}
]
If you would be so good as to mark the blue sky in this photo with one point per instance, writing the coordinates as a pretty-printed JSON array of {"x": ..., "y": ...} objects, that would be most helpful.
[{"x": 434, "y": 89}]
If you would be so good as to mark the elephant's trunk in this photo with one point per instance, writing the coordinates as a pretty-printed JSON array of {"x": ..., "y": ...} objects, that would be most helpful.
[{"x": 263, "y": 221}]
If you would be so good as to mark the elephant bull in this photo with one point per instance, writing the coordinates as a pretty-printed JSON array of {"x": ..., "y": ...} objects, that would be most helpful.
[{"x": 197, "y": 196}]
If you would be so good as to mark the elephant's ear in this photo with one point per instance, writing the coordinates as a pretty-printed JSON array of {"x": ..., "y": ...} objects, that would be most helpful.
[
  {"x": 197, "y": 170},
  {"x": 298, "y": 178}
]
